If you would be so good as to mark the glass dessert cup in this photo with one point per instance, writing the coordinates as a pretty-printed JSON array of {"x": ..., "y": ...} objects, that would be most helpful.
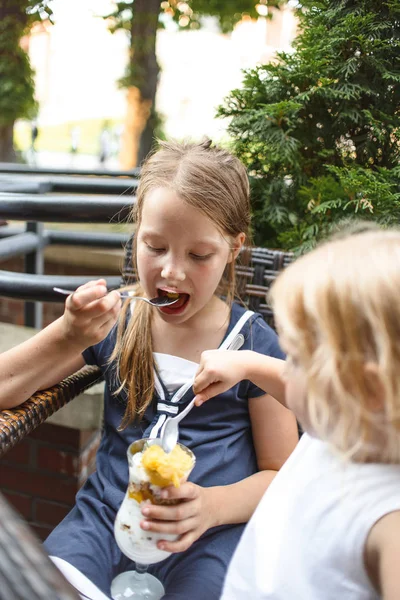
[{"x": 137, "y": 544}]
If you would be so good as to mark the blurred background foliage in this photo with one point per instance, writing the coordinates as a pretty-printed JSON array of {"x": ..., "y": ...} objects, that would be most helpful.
[
  {"x": 141, "y": 19},
  {"x": 318, "y": 129},
  {"x": 17, "y": 86}
]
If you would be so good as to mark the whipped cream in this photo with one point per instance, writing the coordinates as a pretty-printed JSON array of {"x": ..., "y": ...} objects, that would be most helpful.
[{"x": 137, "y": 472}]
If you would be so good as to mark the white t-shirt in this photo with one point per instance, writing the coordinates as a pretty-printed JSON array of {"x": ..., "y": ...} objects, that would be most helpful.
[
  {"x": 174, "y": 370},
  {"x": 306, "y": 538}
]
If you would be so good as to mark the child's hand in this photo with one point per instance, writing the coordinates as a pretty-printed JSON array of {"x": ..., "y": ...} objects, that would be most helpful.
[
  {"x": 189, "y": 519},
  {"x": 90, "y": 313},
  {"x": 219, "y": 370}
]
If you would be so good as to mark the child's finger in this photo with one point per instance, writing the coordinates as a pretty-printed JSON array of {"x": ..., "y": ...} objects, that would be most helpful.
[
  {"x": 96, "y": 329},
  {"x": 199, "y": 399},
  {"x": 169, "y": 519},
  {"x": 94, "y": 320},
  {"x": 209, "y": 392},
  {"x": 202, "y": 380},
  {"x": 98, "y": 313},
  {"x": 94, "y": 296},
  {"x": 83, "y": 296},
  {"x": 92, "y": 283},
  {"x": 181, "y": 545},
  {"x": 169, "y": 527},
  {"x": 186, "y": 491}
]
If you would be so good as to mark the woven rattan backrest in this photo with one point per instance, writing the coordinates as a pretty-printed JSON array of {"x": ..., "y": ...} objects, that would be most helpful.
[{"x": 255, "y": 271}]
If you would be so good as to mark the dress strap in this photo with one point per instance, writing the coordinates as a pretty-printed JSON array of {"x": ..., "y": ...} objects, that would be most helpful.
[
  {"x": 236, "y": 329},
  {"x": 169, "y": 407},
  {"x": 159, "y": 386}
]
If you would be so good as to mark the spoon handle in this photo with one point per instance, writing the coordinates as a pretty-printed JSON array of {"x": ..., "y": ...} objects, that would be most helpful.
[
  {"x": 185, "y": 411},
  {"x": 235, "y": 344},
  {"x": 65, "y": 292}
]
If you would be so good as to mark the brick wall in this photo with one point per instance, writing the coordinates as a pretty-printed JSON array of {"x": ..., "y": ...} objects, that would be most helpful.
[{"x": 42, "y": 474}]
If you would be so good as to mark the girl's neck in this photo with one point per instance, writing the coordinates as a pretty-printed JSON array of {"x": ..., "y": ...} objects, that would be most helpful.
[{"x": 188, "y": 340}]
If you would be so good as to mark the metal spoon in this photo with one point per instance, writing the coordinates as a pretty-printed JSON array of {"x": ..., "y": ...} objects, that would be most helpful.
[
  {"x": 170, "y": 429},
  {"x": 158, "y": 301}
]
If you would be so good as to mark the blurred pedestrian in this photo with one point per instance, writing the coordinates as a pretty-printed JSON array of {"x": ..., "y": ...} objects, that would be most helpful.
[
  {"x": 75, "y": 133},
  {"x": 34, "y": 135},
  {"x": 105, "y": 145}
]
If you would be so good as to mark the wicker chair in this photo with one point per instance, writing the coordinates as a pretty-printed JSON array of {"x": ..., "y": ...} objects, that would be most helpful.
[
  {"x": 25, "y": 569},
  {"x": 254, "y": 282}
]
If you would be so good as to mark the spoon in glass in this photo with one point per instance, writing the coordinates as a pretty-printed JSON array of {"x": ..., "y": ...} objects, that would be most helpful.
[
  {"x": 170, "y": 429},
  {"x": 158, "y": 301}
]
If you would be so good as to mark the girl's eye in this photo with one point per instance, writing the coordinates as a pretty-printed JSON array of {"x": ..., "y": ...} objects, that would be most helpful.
[
  {"x": 155, "y": 250},
  {"x": 200, "y": 256}
]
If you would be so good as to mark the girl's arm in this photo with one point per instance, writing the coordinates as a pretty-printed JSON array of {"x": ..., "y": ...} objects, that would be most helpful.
[
  {"x": 56, "y": 351},
  {"x": 275, "y": 436},
  {"x": 220, "y": 370},
  {"x": 382, "y": 556}
]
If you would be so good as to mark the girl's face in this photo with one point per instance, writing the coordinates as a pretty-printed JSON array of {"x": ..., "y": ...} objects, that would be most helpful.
[{"x": 180, "y": 251}]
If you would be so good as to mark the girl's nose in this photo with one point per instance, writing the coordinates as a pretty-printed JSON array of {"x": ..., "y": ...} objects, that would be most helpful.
[{"x": 173, "y": 272}]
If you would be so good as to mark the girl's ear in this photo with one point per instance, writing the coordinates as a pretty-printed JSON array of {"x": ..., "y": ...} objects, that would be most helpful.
[
  {"x": 375, "y": 388},
  {"x": 237, "y": 244}
]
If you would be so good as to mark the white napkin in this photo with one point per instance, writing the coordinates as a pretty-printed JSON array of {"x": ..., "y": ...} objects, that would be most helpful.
[{"x": 78, "y": 580}]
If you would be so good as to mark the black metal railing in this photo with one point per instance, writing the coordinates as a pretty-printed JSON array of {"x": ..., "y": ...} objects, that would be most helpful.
[
  {"x": 30, "y": 170},
  {"x": 79, "y": 185},
  {"x": 45, "y": 206}
]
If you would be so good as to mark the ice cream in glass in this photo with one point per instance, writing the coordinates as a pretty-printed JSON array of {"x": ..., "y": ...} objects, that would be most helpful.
[{"x": 150, "y": 470}]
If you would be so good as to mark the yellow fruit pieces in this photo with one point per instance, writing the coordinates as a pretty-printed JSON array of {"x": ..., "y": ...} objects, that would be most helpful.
[{"x": 166, "y": 468}]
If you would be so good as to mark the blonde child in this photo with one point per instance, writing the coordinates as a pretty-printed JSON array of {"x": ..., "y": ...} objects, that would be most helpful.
[
  {"x": 192, "y": 218},
  {"x": 328, "y": 527}
]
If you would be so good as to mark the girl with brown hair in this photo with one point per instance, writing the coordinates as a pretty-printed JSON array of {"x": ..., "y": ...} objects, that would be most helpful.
[{"x": 192, "y": 218}]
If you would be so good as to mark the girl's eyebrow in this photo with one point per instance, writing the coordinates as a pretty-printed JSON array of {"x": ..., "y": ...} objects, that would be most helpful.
[
  {"x": 207, "y": 242},
  {"x": 150, "y": 233}
]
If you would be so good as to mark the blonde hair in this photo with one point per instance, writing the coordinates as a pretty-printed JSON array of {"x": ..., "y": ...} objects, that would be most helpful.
[
  {"x": 211, "y": 180},
  {"x": 338, "y": 308}
]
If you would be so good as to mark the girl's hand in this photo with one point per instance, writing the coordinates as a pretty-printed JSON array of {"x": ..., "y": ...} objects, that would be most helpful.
[
  {"x": 90, "y": 313},
  {"x": 219, "y": 370},
  {"x": 189, "y": 519}
]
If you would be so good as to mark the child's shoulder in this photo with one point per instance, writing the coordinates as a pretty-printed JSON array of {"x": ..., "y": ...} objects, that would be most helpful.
[
  {"x": 255, "y": 321},
  {"x": 259, "y": 336},
  {"x": 237, "y": 310}
]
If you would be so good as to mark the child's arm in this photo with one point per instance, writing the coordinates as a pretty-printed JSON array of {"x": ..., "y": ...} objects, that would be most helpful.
[
  {"x": 220, "y": 370},
  {"x": 56, "y": 351},
  {"x": 382, "y": 556}
]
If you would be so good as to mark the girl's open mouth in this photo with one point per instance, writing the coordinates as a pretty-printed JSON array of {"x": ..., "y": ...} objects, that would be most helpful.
[{"x": 178, "y": 306}]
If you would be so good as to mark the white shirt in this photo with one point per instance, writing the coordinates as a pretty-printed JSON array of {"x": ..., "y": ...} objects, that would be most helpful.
[
  {"x": 174, "y": 370},
  {"x": 306, "y": 538}
]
